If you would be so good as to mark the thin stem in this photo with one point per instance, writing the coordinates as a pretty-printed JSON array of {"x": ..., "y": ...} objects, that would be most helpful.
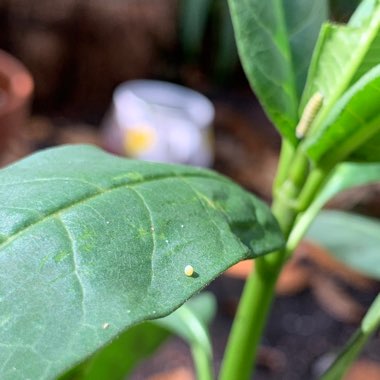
[
  {"x": 284, "y": 163},
  {"x": 299, "y": 170},
  {"x": 309, "y": 207},
  {"x": 248, "y": 324},
  {"x": 369, "y": 325},
  {"x": 349, "y": 353},
  {"x": 202, "y": 363}
]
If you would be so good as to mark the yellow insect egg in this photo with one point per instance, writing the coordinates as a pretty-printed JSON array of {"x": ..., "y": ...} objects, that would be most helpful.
[{"x": 189, "y": 270}]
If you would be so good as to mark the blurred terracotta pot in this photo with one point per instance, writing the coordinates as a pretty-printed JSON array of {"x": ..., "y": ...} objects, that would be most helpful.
[{"x": 16, "y": 87}]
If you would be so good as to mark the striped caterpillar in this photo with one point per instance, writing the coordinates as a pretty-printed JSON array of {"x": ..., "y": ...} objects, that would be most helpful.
[{"x": 310, "y": 112}]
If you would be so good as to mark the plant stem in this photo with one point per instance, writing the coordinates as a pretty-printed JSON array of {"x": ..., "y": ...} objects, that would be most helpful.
[
  {"x": 248, "y": 324},
  {"x": 369, "y": 325},
  {"x": 294, "y": 195},
  {"x": 286, "y": 156},
  {"x": 349, "y": 353},
  {"x": 202, "y": 363}
]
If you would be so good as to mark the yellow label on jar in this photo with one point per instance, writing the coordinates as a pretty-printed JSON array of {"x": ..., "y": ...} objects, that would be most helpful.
[{"x": 139, "y": 139}]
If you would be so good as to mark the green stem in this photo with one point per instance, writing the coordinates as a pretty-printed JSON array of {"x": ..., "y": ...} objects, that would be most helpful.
[
  {"x": 349, "y": 353},
  {"x": 369, "y": 325},
  {"x": 284, "y": 163},
  {"x": 308, "y": 206},
  {"x": 202, "y": 363},
  {"x": 295, "y": 193},
  {"x": 248, "y": 324}
]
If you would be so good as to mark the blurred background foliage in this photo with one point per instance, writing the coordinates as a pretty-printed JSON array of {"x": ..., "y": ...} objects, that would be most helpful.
[{"x": 79, "y": 50}]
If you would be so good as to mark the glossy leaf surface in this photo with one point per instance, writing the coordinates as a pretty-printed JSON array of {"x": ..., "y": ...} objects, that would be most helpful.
[
  {"x": 354, "y": 120},
  {"x": 89, "y": 240},
  {"x": 352, "y": 239},
  {"x": 342, "y": 55},
  {"x": 275, "y": 41}
]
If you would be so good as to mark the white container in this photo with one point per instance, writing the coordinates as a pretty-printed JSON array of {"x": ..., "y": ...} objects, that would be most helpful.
[{"x": 160, "y": 121}]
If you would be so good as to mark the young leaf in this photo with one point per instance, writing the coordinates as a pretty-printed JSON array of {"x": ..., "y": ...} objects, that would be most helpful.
[
  {"x": 118, "y": 359},
  {"x": 371, "y": 321},
  {"x": 344, "y": 176},
  {"x": 369, "y": 151},
  {"x": 190, "y": 322},
  {"x": 352, "y": 239},
  {"x": 275, "y": 40},
  {"x": 342, "y": 55},
  {"x": 354, "y": 120},
  {"x": 89, "y": 240}
]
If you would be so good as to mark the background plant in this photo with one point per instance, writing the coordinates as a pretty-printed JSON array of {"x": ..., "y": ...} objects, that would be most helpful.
[{"x": 92, "y": 244}]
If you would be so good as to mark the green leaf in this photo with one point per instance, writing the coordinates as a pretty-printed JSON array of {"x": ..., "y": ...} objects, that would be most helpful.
[
  {"x": 352, "y": 239},
  {"x": 363, "y": 13},
  {"x": 190, "y": 322},
  {"x": 342, "y": 55},
  {"x": 346, "y": 176},
  {"x": 371, "y": 320},
  {"x": 89, "y": 240},
  {"x": 354, "y": 120},
  {"x": 193, "y": 20},
  {"x": 303, "y": 23},
  {"x": 119, "y": 358},
  {"x": 275, "y": 40},
  {"x": 226, "y": 52},
  {"x": 369, "y": 151}
]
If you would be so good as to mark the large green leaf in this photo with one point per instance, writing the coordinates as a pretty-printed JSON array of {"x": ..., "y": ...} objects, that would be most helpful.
[
  {"x": 354, "y": 120},
  {"x": 119, "y": 358},
  {"x": 342, "y": 55},
  {"x": 352, "y": 239},
  {"x": 275, "y": 40},
  {"x": 91, "y": 244}
]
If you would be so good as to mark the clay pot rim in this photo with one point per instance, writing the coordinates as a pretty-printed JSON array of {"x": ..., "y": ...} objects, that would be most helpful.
[{"x": 16, "y": 81}]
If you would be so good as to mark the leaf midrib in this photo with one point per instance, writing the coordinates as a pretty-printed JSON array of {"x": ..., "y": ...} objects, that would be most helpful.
[{"x": 129, "y": 184}]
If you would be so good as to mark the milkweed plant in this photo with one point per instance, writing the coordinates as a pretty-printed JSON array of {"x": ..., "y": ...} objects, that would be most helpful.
[{"x": 102, "y": 255}]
